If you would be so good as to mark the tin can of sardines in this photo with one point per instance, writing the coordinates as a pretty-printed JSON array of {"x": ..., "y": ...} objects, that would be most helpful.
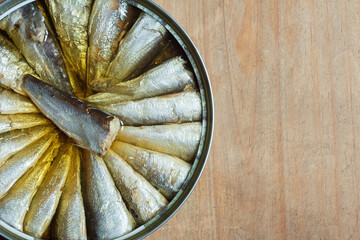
[{"x": 106, "y": 118}]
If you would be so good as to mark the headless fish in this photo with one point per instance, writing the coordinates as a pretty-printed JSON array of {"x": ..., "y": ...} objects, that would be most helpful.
[
  {"x": 166, "y": 173},
  {"x": 138, "y": 48},
  {"x": 172, "y": 108},
  {"x": 14, "y": 141},
  {"x": 12, "y": 103},
  {"x": 32, "y": 35},
  {"x": 69, "y": 221},
  {"x": 14, "y": 206},
  {"x": 90, "y": 127},
  {"x": 180, "y": 140},
  {"x": 19, "y": 163},
  {"x": 107, "y": 215},
  {"x": 109, "y": 20},
  {"x": 169, "y": 77},
  {"x": 143, "y": 199},
  {"x": 71, "y": 18},
  {"x": 46, "y": 199},
  {"x": 13, "y": 66},
  {"x": 12, "y": 122}
]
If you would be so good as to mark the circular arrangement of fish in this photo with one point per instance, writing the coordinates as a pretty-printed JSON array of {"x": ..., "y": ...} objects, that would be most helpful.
[{"x": 100, "y": 118}]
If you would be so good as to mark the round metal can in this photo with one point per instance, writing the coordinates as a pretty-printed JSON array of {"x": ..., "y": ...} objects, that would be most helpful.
[{"x": 202, "y": 78}]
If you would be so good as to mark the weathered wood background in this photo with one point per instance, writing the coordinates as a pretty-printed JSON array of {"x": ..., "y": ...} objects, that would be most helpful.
[{"x": 285, "y": 160}]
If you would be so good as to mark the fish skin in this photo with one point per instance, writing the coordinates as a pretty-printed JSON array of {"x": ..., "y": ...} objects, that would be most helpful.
[
  {"x": 70, "y": 221},
  {"x": 46, "y": 199},
  {"x": 143, "y": 200},
  {"x": 32, "y": 35},
  {"x": 169, "y": 77},
  {"x": 179, "y": 140},
  {"x": 14, "y": 141},
  {"x": 138, "y": 48},
  {"x": 19, "y": 163},
  {"x": 172, "y": 108},
  {"x": 12, "y": 103},
  {"x": 13, "y": 66},
  {"x": 14, "y": 206},
  {"x": 70, "y": 19},
  {"x": 166, "y": 173},
  {"x": 109, "y": 20},
  {"x": 90, "y": 127},
  {"x": 106, "y": 214},
  {"x": 12, "y": 122}
]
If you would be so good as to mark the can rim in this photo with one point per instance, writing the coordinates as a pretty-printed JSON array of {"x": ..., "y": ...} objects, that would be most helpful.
[{"x": 208, "y": 118}]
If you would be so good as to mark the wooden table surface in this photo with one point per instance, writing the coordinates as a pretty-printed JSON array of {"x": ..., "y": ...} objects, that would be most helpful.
[{"x": 285, "y": 159}]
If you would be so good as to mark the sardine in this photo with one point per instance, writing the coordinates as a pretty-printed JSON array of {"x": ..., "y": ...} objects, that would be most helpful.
[
  {"x": 69, "y": 221},
  {"x": 90, "y": 127},
  {"x": 13, "y": 66},
  {"x": 172, "y": 108},
  {"x": 71, "y": 18},
  {"x": 164, "y": 172},
  {"x": 14, "y": 141},
  {"x": 19, "y": 121},
  {"x": 12, "y": 103},
  {"x": 169, "y": 77},
  {"x": 106, "y": 214},
  {"x": 109, "y": 20},
  {"x": 179, "y": 140},
  {"x": 138, "y": 48},
  {"x": 32, "y": 35},
  {"x": 14, "y": 206},
  {"x": 46, "y": 199},
  {"x": 19, "y": 163},
  {"x": 143, "y": 199}
]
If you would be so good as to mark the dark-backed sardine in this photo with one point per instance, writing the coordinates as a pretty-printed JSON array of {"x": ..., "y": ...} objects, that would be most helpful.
[
  {"x": 165, "y": 172},
  {"x": 143, "y": 199},
  {"x": 32, "y": 35},
  {"x": 106, "y": 214},
  {"x": 90, "y": 127}
]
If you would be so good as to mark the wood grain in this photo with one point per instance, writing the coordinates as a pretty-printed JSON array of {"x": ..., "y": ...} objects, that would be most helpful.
[{"x": 285, "y": 157}]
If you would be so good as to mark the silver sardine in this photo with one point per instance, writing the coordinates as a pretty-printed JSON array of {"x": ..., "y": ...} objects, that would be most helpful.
[
  {"x": 12, "y": 122},
  {"x": 138, "y": 48},
  {"x": 12, "y": 103},
  {"x": 106, "y": 214},
  {"x": 13, "y": 66},
  {"x": 172, "y": 108},
  {"x": 166, "y": 173},
  {"x": 180, "y": 140},
  {"x": 143, "y": 199}
]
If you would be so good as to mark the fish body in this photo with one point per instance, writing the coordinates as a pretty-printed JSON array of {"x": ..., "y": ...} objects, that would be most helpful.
[
  {"x": 143, "y": 199},
  {"x": 71, "y": 19},
  {"x": 13, "y": 66},
  {"x": 172, "y": 108},
  {"x": 12, "y": 122},
  {"x": 169, "y": 77},
  {"x": 70, "y": 222},
  {"x": 180, "y": 140},
  {"x": 109, "y": 20},
  {"x": 14, "y": 206},
  {"x": 165, "y": 172},
  {"x": 19, "y": 163},
  {"x": 12, "y": 103},
  {"x": 138, "y": 48},
  {"x": 107, "y": 216},
  {"x": 32, "y": 35},
  {"x": 90, "y": 127},
  {"x": 14, "y": 141},
  {"x": 46, "y": 199}
]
